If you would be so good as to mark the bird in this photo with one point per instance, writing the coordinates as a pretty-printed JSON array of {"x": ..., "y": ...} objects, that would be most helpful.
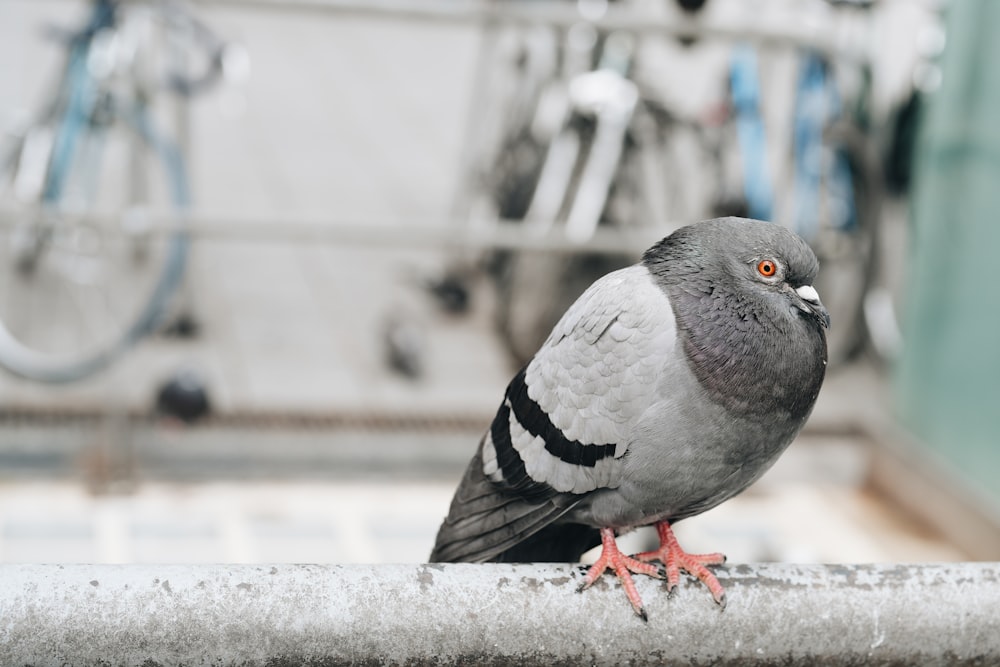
[{"x": 668, "y": 387}]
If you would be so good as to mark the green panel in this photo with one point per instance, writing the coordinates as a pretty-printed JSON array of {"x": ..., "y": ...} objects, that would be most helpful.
[{"x": 948, "y": 381}]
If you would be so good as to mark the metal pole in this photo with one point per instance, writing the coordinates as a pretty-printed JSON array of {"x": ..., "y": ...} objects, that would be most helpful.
[
  {"x": 414, "y": 233},
  {"x": 493, "y": 615}
]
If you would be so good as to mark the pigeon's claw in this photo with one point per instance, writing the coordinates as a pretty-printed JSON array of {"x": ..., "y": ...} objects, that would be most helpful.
[
  {"x": 676, "y": 559},
  {"x": 622, "y": 565}
]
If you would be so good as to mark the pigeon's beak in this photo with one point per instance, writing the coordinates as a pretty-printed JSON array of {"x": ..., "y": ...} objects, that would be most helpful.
[{"x": 812, "y": 304}]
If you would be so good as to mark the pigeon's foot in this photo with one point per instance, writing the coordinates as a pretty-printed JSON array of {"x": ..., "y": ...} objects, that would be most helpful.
[
  {"x": 623, "y": 566},
  {"x": 676, "y": 559}
]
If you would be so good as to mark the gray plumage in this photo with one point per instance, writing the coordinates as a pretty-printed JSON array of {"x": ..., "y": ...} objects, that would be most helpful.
[{"x": 667, "y": 388}]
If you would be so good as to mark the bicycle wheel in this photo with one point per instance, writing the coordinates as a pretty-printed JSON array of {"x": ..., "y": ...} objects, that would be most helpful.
[
  {"x": 521, "y": 312},
  {"x": 84, "y": 276}
]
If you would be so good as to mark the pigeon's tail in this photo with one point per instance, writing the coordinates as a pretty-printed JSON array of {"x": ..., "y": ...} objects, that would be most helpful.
[{"x": 486, "y": 524}]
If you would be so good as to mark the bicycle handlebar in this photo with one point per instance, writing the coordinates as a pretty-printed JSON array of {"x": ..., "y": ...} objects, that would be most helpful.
[
  {"x": 218, "y": 51},
  {"x": 187, "y": 85},
  {"x": 220, "y": 55}
]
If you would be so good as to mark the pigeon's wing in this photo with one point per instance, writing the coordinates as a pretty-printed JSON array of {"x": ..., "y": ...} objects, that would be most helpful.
[
  {"x": 486, "y": 520},
  {"x": 566, "y": 420}
]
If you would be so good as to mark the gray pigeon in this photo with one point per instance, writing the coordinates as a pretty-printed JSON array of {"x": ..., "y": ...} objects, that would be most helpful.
[{"x": 668, "y": 387}]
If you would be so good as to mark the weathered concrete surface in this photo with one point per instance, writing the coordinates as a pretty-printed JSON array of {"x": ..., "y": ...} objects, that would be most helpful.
[{"x": 494, "y": 615}]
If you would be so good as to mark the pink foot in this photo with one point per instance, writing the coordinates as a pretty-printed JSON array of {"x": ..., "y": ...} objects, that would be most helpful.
[
  {"x": 676, "y": 559},
  {"x": 622, "y": 565}
]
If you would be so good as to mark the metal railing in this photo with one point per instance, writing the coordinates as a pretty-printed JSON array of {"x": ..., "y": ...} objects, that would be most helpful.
[
  {"x": 494, "y": 615},
  {"x": 784, "y": 26},
  {"x": 415, "y": 233}
]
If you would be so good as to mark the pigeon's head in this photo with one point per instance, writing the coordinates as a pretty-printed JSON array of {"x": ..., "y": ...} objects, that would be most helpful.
[
  {"x": 751, "y": 323},
  {"x": 760, "y": 260}
]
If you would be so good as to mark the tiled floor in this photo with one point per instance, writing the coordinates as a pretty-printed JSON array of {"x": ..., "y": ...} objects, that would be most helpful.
[
  {"x": 220, "y": 522},
  {"x": 396, "y": 523}
]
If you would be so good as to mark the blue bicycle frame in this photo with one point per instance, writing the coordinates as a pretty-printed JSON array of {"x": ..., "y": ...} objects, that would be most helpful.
[
  {"x": 817, "y": 105},
  {"x": 745, "y": 90}
]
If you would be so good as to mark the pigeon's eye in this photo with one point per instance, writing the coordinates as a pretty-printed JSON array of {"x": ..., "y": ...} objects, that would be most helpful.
[{"x": 767, "y": 268}]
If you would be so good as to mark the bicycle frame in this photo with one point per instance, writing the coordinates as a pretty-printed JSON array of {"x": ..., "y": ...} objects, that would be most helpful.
[
  {"x": 817, "y": 105},
  {"x": 80, "y": 91},
  {"x": 605, "y": 94},
  {"x": 745, "y": 90}
]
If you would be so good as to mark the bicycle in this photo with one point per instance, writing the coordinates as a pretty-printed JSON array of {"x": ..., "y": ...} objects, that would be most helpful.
[
  {"x": 539, "y": 176},
  {"x": 85, "y": 275},
  {"x": 581, "y": 147}
]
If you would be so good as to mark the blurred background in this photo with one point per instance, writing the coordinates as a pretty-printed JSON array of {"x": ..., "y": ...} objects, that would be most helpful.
[{"x": 267, "y": 266}]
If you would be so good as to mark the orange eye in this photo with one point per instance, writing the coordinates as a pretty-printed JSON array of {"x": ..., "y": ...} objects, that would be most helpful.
[{"x": 767, "y": 268}]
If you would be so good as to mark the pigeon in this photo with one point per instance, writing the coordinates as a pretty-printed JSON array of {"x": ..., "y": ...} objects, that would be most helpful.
[{"x": 667, "y": 388}]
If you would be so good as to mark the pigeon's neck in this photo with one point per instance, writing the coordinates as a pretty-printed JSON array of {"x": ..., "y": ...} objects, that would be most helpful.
[{"x": 757, "y": 358}]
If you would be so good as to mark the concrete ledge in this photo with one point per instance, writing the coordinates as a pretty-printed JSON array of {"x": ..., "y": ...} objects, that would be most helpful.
[{"x": 493, "y": 615}]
